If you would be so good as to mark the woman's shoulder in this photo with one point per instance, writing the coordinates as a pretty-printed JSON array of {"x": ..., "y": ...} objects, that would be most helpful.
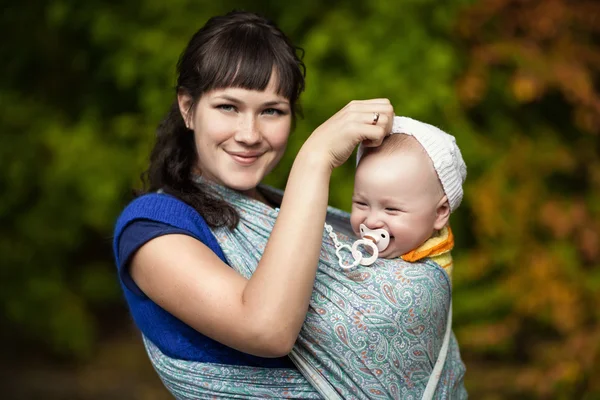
[
  {"x": 164, "y": 209},
  {"x": 155, "y": 205}
]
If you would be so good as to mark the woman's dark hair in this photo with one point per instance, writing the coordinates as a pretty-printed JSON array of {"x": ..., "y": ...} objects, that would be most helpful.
[{"x": 240, "y": 49}]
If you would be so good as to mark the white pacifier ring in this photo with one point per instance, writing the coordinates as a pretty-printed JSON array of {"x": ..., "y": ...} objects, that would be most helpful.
[
  {"x": 366, "y": 261},
  {"x": 348, "y": 267}
]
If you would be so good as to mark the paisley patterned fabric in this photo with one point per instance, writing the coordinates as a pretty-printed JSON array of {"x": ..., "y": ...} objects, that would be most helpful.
[
  {"x": 190, "y": 380},
  {"x": 373, "y": 333}
]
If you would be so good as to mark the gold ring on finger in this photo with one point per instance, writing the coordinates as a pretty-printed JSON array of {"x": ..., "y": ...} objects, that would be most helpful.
[{"x": 375, "y": 118}]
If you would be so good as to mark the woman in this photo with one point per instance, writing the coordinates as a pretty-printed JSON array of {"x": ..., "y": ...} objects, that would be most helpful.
[{"x": 209, "y": 330}]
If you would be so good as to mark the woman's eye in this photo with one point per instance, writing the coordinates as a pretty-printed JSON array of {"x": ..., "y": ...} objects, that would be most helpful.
[
  {"x": 272, "y": 111},
  {"x": 226, "y": 107}
]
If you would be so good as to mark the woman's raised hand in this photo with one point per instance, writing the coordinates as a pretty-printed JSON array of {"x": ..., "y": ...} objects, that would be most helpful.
[{"x": 366, "y": 121}]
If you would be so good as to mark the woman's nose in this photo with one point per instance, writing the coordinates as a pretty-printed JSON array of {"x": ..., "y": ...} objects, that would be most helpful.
[{"x": 248, "y": 132}]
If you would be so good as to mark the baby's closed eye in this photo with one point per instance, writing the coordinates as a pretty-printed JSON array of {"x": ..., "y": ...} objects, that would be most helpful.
[{"x": 393, "y": 210}]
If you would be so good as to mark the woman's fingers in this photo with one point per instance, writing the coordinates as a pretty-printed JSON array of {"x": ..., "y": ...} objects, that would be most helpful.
[
  {"x": 374, "y": 118},
  {"x": 370, "y": 132},
  {"x": 368, "y": 102},
  {"x": 382, "y": 106},
  {"x": 359, "y": 121},
  {"x": 378, "y": 112}
]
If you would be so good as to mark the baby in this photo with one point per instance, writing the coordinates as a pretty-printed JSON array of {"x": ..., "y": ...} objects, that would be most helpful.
[{"x": 405, "y": 190}]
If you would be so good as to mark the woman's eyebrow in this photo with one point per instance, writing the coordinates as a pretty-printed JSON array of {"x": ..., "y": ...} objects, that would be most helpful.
[
  {"x": 276, "y": 103},
  {"x": 229, "y": 98},
  {"x": 265, "y": 104}
]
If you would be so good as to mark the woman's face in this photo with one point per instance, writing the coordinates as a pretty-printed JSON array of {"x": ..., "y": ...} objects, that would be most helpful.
[{"x": 240, "y": 134}]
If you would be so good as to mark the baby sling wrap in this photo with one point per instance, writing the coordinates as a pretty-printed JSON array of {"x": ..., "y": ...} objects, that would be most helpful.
[{"x": 373, "y": 333}]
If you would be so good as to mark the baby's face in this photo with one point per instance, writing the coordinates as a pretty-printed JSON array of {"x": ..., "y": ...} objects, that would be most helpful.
[{"x": 396, "y": 192}]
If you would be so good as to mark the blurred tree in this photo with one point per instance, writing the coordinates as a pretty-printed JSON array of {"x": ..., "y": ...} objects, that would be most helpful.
[{"x": 529, "y": 287}]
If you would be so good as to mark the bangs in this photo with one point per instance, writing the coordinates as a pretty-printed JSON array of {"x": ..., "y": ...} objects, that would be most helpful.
[{"x": 246, "y": 57}]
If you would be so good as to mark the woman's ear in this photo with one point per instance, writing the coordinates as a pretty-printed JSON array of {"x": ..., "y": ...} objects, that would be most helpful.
[
  {"x": 185, "y": 103},
  {"x": 442, "y": 214}
]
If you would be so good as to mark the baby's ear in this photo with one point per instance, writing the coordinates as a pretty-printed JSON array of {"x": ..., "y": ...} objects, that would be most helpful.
[{"x": 442, "y": 214}]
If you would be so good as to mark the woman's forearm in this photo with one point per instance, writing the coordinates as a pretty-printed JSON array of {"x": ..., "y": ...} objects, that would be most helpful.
[{"x": 279, "y": 291}]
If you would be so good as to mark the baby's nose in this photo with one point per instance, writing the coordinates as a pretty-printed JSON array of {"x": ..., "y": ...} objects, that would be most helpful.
[{"x": 373, "y": 222}]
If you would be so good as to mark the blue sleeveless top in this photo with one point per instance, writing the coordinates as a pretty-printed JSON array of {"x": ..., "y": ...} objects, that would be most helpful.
[{"x": 146, "y": 218}]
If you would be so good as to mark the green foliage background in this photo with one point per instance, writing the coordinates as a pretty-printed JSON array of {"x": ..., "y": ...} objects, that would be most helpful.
[{"x": 84, "y": 84}]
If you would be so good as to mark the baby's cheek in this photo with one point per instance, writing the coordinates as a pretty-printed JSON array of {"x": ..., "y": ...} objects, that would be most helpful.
[
  {"x": 355, "y": 222},
  {"x": 395, "y": 254},
  {"x": 394, "y": 251}
]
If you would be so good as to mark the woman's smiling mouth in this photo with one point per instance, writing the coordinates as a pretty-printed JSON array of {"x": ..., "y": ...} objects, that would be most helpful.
[{"x": 245, "y": 158}]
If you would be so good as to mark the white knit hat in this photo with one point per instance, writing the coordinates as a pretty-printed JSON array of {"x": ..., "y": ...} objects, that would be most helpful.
[{"x": 443, "y": 151}]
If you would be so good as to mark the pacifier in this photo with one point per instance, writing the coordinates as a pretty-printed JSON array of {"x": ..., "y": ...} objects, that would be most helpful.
[
  {"x": 377, "y": 240},
  {"x": 380, "y": 237}
]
